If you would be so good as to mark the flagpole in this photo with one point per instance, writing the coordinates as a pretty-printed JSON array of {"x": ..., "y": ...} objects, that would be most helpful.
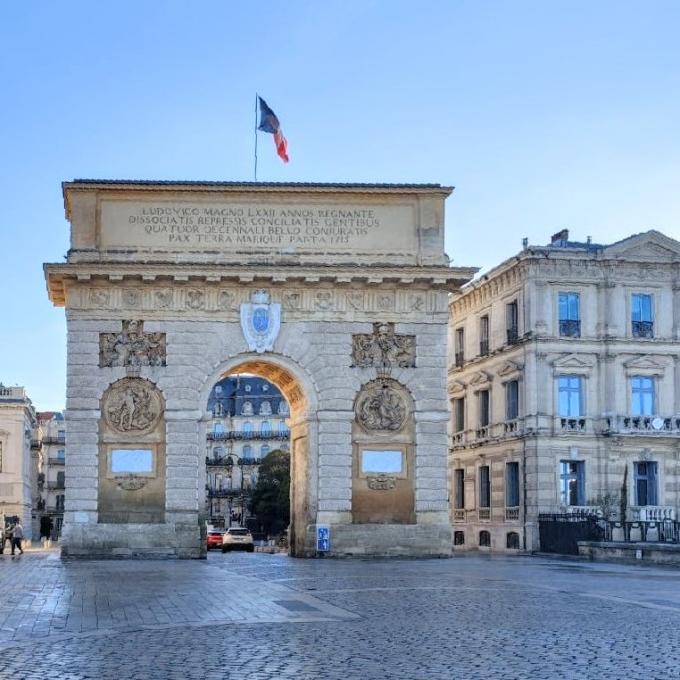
[{"x": 255, "y": 173}]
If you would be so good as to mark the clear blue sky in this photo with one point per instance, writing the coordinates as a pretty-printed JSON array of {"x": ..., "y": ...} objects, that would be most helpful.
[{"x": 543, "y": 114}]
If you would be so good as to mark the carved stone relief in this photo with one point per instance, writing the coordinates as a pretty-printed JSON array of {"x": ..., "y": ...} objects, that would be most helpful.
[
  {"x": 99, "y": 298},
  {"x": 132, "y": 405},
  {"x": 131, "y": 482},
  {"x": 381, "y": 482},
  {"x": 380, "y": 407},
  {"x": 163, "y": 298},
  {"x": 132, "y": 347},
  {"x": 226, "y": 300},
  {"x": 383, "y": 348},
  {"x": 195, "y": 299}
]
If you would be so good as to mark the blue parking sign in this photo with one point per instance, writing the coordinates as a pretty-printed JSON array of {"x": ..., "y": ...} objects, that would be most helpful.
[{"x": 323, "y": 537}]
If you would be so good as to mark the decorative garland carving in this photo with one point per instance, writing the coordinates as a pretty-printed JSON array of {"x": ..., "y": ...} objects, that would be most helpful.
[
  {"x": 132, "y": 347},
  {"x": 381, "y": 482},
  {"x": 131, "y": 482},
  {"x": 381, "y": 407},
  {"x": 383, "y": 348},
  {"x": 132, "y": 405}
]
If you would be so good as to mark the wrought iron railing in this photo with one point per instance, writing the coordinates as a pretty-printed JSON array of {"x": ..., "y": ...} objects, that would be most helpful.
[
  {"x": 642, "y": 329},
  {"x": 570, "y": 328},
  {"x": 59, "y": 439},
  {"x": 511, "y": 514},
  {"x": 460, "y": 359},
  {"x": 53, "y": 486},
  {"x": 237, "y": 435},
  {"x": 56, "y": 461},
  {"x": 228, "y": 461}
]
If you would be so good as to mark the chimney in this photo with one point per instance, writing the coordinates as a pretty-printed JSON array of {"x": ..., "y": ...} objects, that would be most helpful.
[
  {"x": 525, "y": 243},
  {"x": 560, "y": 238}
]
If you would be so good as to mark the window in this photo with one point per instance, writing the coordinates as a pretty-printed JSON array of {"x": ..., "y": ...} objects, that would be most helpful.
[
  {"x": 265, "y": 408},
  {"x": 483, "y": 397},
  {"x": 512, "y": 485},
  {"x": 645, "y": 483},
  {"x": 247, "y": 388},
  {"x": 283, "y": 428},
  {"x": 642, "y": 319},
  {"x": 283, "y": 408},
  {"x": 484, "y": 487},
  {"x": 459, "y": 414},
  {"x": 264, "y": 450},
  {"x": 642, "y": 396},
  {"x": 218, "y": 428},
  {"x": 484, "y": 335},
  {"x": 247, "y": 451},
  {"x": 512, "y": 540},
  {"x": 458, "y": 538},
  {"x": 61, "y": 434},
  {"x": 570, "y": 315},
  {"x": 484, "y": 539},
  {"x": 511, "y": 400},
  {"x": 459, "y": 488},
  {"x": 218, "y": 409},
  {"x": 570, "y": 389},
  {"x": 266, "y": 427},
  {"x": 460, "y": 347},
  {"x": 247, "y": 409},
  {"x": 61, "y": 454},
  {"x": 511, "y": 322},
  {"x": 247, "y": 427},
  {"x": 572, "y": 482}
]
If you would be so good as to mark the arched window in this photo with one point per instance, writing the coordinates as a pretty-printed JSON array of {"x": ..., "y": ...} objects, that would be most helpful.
[
  {"x": 283, "y": 428},
  {"x": 266, "y": 427},
  {"x": 247, "y": 409},
  {"x": 265, "y": 408},
  {"x": 247, "y": 426},
  {"x": 247, "y": 451},
  {"x": 512, "y": 540},
  {"x": 264, "y": 450},
  {"x": 458, "y": 538},
  {"x": 484, "y": 539},
  {"x": 283, "y": 407}
]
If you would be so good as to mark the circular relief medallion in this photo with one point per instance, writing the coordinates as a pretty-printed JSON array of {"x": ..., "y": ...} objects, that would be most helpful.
[
  {"x": 132, "y": 405},
  {"x": 381, "y": 408}
]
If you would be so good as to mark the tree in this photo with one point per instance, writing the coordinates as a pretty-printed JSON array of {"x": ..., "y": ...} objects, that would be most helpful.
[{"x": 270, "y": 500}]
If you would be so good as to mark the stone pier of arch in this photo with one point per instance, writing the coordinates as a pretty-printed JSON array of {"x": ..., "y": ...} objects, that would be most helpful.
[{"x": 335, "y": 293}]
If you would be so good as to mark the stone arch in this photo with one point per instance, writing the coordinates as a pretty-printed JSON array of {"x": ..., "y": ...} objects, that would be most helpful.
[
  {"x": 132, "y": 467},
  {"x": 301, "y": 393},
  {"x": 383, "y": 454}
]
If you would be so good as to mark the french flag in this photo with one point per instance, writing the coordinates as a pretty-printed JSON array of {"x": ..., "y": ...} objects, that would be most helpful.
[{"x": 270, "y": 123}]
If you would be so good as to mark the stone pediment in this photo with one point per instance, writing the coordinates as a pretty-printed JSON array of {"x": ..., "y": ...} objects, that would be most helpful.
[
  {"x": 510, "y": 368},
  {"x": 646, "y": 364},
  {"x": 457, "y": 387},
  {"x": 651, "y": 245},
  {"x": 574, "y": 362},
  {"x": 480, "y": 379}
]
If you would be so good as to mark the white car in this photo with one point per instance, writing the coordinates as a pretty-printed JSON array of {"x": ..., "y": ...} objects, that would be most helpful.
[{"x": 237, "y": 538}]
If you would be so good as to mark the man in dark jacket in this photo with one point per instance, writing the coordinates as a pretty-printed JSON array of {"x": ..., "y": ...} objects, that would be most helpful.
[{"x": 17, "y": 537}]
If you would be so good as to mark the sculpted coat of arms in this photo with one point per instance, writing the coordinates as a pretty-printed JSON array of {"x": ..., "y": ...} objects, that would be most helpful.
[
  {"x": 260, "y": 322},
  {"x": 383, "y": 348},
  {"x": 132, "y": 347}
]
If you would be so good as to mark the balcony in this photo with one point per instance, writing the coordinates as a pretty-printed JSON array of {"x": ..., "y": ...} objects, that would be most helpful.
[
  {"x": 56, "y": 461},
  {"x": 54, "y": 509},
  {"x": 36, "y": 443},
  {"x": 230, "y": 461},
  {"x": 482, "y": 432},
  {"x": 60, "y": 439},
  {"x": 513, "y": 426},
  {"x": 570, "y": 328},
  {"x": 512, "y": 335},
  {"x": 652, "y": 513},
  {"x": 642, "y": 329},
  {"x": 459, "y": 359},
  {"x": 459, "y": 515},
  {"x": 483, "y": 348},
  {"x": 484, "y": 513},
  {"x": 226, "y": 493},
  {"x": 511, "y": 514},
  {"x": 643, "y": 425},
  {"x": 55, "y": 486},
  {"x": 246, "y": 436},
  {"x": 573, "y": 425}
]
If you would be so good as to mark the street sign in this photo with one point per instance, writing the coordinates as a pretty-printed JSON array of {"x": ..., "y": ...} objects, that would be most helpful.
[{"x": 323, "y": 537}]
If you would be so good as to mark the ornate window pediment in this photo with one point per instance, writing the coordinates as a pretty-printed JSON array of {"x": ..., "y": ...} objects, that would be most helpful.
[
  {"x": 510, "y": 369},
  {"x": 480, "y": 380},
  {"x": 457, "y": 387},
  {"x": 645, "y": 365},
  {"x": 580, "y": 364}
]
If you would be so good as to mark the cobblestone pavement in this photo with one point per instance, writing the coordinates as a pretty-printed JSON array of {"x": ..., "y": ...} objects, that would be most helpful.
[{"x": 260, "y": 616}]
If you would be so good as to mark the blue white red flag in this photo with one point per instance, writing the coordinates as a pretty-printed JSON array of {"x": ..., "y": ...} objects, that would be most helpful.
[{"x": 270, "y": 123}]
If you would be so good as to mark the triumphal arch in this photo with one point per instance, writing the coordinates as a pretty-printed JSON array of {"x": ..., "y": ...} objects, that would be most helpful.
[{"x": 336, "y": 293}]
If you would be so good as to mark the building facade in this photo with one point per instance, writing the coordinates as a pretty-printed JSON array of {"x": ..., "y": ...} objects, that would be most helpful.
[
  {"x": 49, "y": 507},
  {"x": 248, "y": 421},
  {"x": 564, "y": 385},
  {"x": 19, "y": 456}
]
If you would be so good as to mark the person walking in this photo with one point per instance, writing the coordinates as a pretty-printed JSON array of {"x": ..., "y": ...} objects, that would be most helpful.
[
  {"x": 17, "y": 536},
  {"x": 6, "y": 536}
]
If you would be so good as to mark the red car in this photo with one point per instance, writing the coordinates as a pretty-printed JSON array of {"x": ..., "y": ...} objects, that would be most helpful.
[{"x": 215, "y": 538}]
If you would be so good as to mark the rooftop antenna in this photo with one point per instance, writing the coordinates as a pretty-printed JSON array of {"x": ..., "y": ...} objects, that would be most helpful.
[{"x": 525, "y": 243}]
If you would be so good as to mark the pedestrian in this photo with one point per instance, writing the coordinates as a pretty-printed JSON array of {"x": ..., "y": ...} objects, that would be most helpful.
[
  {"x": 17, "y": 536},
  {"x": 6, "y": 536}
]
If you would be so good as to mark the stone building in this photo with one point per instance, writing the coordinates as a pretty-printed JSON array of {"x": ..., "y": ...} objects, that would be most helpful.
[
  {"x": 19, "y": 456},
  {"x": 564, "y": 385},
  {"x": 52, "y": 479},
  {"x": 335, "y": 293},
  {"x": 249, "y": 421}
]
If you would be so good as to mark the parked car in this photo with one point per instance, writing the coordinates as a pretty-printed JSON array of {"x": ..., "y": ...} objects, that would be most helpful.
[
  {"x": 237, "y": 538},
  {"x": 215, "y": 538}
]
